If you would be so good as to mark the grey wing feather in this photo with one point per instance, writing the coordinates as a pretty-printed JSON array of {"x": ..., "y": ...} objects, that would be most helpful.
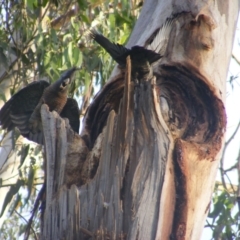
[
  {"x": 21, "y": 121},
  {"x": 160, "y": 41},
  {"x": 18, "y": 109}
]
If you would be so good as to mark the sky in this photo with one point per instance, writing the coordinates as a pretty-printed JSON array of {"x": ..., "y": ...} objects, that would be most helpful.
[{"x": 232, "y": 103}]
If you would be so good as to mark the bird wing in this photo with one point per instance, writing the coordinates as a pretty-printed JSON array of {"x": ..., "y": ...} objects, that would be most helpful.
[
  {"x": 160, "y": 40},
  {"x": 72, "y": 112},
  {"x": 18, "y": 109},
  {"x": 118, "y": 52}
]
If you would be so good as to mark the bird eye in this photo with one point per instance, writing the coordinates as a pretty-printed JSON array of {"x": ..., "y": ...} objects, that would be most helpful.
[{"x": 65, "y": 82}]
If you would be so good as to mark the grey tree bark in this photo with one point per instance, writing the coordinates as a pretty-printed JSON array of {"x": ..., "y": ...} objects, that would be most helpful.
[{"x": 148, "y": 171}]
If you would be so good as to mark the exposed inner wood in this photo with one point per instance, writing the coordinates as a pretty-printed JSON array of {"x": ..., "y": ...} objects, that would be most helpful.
[
  {"x": 189, "y": 107},
  {"x": 193, "y": 112}
]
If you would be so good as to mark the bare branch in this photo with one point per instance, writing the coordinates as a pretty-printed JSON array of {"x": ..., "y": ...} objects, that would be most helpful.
[
  {"x": 21, "y": 216},
  {"x": 63, "y": 19},
  {"x": 236, "y": 58}
]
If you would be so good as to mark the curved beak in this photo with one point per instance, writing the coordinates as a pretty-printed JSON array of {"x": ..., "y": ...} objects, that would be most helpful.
[{"x": 68, "y": 74}]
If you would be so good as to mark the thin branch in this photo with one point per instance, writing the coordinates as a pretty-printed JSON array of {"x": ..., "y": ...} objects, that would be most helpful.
[
  {"x": 35, "y": 208},
  {"x": 210, "y": 225},
  {"x": 230, "y": 169},
  {"x": 221, "y": 168},
  {"x": 236, "y": 59},
  {"x": 231, "y": 188},
  {"x": 21, "y": 216},
  {"x": 63, "y": 19},
  {"x": 233, "y": 135},
  {"x": 238, "y": 190},
  {"x": 234, "y": 189},
  {"x": 10, "y": 185}
]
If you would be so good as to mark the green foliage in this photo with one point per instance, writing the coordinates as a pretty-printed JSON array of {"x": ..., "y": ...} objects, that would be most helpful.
[
  {"x": 223, "y": 218},
  {"x": 12, "y": 191}
]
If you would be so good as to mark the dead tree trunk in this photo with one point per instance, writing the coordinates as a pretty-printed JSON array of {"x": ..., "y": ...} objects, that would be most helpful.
[{"x": 145, "y": 164}]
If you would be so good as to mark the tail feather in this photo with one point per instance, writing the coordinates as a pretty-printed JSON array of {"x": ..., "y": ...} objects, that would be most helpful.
[{"x": 118, "y": 52}]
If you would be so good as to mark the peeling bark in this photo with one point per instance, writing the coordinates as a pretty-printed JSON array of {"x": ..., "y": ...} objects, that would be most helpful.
[{"x": 145, "y": 163}]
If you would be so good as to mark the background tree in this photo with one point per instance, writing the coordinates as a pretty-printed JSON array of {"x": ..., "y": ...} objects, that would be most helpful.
[{"x": 54, "y": 37}]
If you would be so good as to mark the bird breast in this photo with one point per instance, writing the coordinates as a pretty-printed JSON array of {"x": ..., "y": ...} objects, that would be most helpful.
[{"x": 55, "y": 100}]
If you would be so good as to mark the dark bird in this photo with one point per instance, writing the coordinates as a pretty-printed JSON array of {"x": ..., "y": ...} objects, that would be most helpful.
[
  {"x": 22, "y": 110},
  {"x": 142, "y": 61},
  {"x": 72, "y": 112},
  {"x": 141, "y": 57}
]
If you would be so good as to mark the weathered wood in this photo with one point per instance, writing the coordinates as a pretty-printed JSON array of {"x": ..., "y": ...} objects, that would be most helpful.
[
  {"x": 145, "y": 163},
  {"x": 61, "y": 144},
  {"x": 128, "y": 174}
]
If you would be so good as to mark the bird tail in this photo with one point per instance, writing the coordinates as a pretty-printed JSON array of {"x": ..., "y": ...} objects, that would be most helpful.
[
  {"x": 100, "y": 39},
  {"x": 117, "y": 51}
]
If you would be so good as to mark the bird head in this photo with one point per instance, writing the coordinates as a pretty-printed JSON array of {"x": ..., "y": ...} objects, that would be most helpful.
[{"x": 65, "y": 79}]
